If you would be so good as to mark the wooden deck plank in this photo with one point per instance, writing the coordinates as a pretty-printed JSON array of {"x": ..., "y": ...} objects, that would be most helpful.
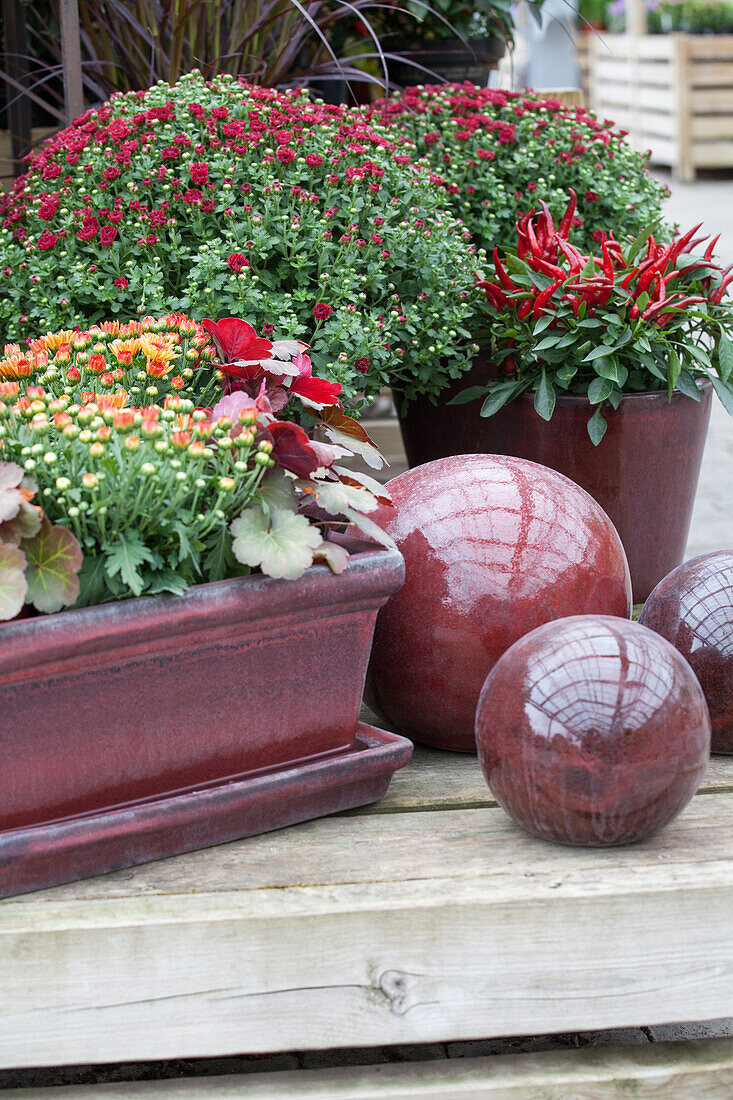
[
  {"x": 412, "y": 927},
  {"x": 665, "y": 1071}
]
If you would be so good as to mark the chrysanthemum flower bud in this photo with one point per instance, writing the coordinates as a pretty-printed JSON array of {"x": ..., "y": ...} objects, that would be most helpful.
[
  {"x": 90, "y": 481},
  {"x": 96, "y": 450}
]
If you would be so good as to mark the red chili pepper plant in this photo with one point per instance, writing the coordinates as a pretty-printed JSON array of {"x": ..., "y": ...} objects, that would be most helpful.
[
  {"x": 168, "y": 460},
  {"x": 638, "y": 317}
]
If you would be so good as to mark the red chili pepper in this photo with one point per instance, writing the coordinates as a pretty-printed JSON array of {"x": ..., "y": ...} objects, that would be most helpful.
[
  {"x": 577, "y": 260},
  {"x": 711, "y": 248},
  {"x": 525, "y": 309},
  {"x": 538, "y": 264},
  {"x": 494, "y": 293},
  {"x": 678, "y": 246},
  {"x": 509, "y": 365},
  {"x": 717, "y": 294},
  {"x": 607, "y": 261},
  {"x": 544, "y": 296},
  {"x": 634, "y": 312},
  {"x": 567, "y": 218},
  {"x": 533, "y": 242},
  {"x": 629, "y": 278},
  {"x": 502, "y": 274},
  {"x": 614, "y": 249},
  {"x": 574, "y": 302}
]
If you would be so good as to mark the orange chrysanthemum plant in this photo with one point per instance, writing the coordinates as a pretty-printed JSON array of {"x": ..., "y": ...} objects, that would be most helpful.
[{"x": 168, "y": 460}]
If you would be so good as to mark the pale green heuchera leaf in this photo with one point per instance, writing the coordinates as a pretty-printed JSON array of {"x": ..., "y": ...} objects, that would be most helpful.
[
  {"x": 54, "y": 559},
  {"x": 335, "y": 557},
  {"x": 13, "y": 585},
  {"x": 281, "y": 544},
  {"x": 11, "y": 497},
  {"x": 277, "y": 491},
  {"x": 370, "y": 528},
  {"x": 26, "y": 524},
  {"x": 335, "y": 497}
]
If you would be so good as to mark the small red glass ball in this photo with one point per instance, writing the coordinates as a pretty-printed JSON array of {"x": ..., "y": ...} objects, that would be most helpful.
[
  {"x": 693, "y": 609},
  {"x": 494, "y": 546},
  {"x": 592, "y": 730}
]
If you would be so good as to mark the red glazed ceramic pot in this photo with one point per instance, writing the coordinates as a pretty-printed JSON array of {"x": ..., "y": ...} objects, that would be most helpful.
[
  {"x": 436, "y": 430},
  {"x": 134, "y": 699},
  {"x": 592, "y": 731},
  {"x": 693, "y": 609},
  {"x": 493, "y": 547}
]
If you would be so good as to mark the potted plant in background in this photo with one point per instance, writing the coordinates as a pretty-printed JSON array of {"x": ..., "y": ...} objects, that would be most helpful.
[
  {"x": 137, "y": 727},
  {"x": 456, "y": 41},
  {"x": 219, "y": 198},
  {"x": 498, "y": 154},
  {"x": 607, "y": 363}
]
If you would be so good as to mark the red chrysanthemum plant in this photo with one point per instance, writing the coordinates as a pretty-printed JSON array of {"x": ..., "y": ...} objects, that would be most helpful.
[{"x": 641, "y": 316}]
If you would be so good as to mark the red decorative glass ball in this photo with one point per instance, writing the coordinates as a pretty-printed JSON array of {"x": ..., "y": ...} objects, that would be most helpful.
[
  {"x": 693, "y": 609},
  {"x": 592, "y": 730},
  {"x": 494, "y": 546}
]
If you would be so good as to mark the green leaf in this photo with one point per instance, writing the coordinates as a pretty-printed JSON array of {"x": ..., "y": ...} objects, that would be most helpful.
[
  {"x": 166, "y": 580},
  {"x": 54, "y": 559},
  {"x": 13, "y": 585},
  {"x": 597, "y": 427},
  {"x": 471, "y": 393},
  {"x": 498, "y": 397},
  {"x": 599, "y": 390},
  {"x": 548, "y": 342},
  {"x": 544, "y": 398},
  {"x": 566, "y": 373},
  {"x": 687, "y": 385},
  {"x": 611, "y": 368},
  {"x": 281, "y": 544},
  {"x": 725, "y": 357},
  {"x": 597, "y": 353},
  {"x": 614, "y": 398},
  {"x": 724, "y": 391},
  {"x": 700, "y": 355},
  {"x": 673, "y": 371},
  {"x": 124, "y": 557},
  {"x": 335, "y": 497},
  {"x": 541, "y": 324},
  {"x": 277, "y": 492}
]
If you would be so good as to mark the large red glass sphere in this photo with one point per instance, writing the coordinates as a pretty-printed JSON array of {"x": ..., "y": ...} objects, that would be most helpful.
[
  {"x": 592, "y": 730},
  {"x": 494, "y": 546},
  {"x": 693, "y": 609}
]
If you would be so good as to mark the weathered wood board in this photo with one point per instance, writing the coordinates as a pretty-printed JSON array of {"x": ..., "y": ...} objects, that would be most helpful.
[{"x": 428, "y": 918}]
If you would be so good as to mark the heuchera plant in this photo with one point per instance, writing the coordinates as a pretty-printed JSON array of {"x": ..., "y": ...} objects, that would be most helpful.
[
  {"x": 166, "y": 494},
  {"x": 39, "y": 561},
  {"x": 637, "y": 317},
  {"x": 499, "y": 152},
  {"x": 220, "y": 199}
]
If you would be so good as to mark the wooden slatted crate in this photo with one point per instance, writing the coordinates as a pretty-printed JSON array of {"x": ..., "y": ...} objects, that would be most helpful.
[{"x": 672, "y": 92}]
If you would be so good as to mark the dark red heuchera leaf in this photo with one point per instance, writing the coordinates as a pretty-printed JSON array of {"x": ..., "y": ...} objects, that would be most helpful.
[
  {"x": 291, "y": 448},
  {"x": 235, "y": 339}
]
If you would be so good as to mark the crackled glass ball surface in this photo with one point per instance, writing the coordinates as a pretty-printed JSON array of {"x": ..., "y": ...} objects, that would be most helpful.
[
  {"x": 494, "y": 546},
  {"x": 693, "y": 609},
  {"x": 592, "y": 730}
]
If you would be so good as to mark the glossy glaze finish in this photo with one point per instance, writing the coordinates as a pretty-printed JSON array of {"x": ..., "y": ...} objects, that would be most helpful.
[
  {"x": 493, "y": 547},
  {"x": 46, "y": 855},
  {"x": 643, "y": 473},
  {"x": 592, "y": 731},
  {"x": 134, "y": 699},
  {"x": 431, "y": 431},
  {"x": 693, "y": 609}
]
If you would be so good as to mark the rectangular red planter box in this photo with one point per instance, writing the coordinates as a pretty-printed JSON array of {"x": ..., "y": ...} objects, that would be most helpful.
[
  {"x": 44, "y": 855},
  {"x": 135, "y": 699}
]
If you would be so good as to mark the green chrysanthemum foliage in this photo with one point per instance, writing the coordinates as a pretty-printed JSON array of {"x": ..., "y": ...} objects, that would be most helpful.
[
  {"x": 499, "y": 153},
  {"x": 221, "y": 199}
]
